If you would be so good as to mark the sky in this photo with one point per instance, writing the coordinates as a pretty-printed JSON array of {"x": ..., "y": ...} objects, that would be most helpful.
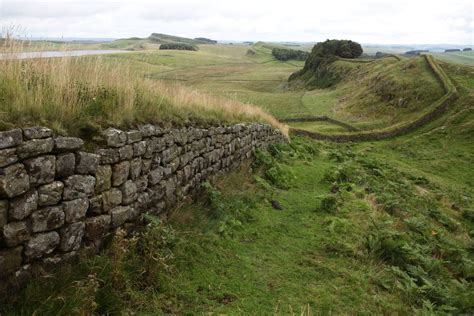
[{"x": 365, "y": 21}]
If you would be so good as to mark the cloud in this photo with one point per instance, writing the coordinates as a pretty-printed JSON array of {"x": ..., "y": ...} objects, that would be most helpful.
[{"x": 375, "y": 21}]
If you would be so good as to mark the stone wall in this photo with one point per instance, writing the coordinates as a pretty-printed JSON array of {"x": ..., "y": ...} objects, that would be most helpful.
[{"x": 56, "y": 198}]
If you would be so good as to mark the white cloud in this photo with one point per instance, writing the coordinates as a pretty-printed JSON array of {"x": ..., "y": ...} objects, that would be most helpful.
[{"x": 375, "y": 21}]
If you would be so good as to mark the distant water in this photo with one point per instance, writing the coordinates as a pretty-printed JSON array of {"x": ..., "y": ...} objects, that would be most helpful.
[{"x": 50, "y": 54}]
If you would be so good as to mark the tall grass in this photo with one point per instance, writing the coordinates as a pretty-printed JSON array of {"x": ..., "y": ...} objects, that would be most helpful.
[{"x": 79, "y": 95}]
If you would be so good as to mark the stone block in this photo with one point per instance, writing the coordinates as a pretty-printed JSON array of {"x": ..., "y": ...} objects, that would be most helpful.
[
  {"x": 35, "y": 147},
  {"x": 50, "y": 194},
  {"x": 8, "y": 156},
  {"x": 67, "y": 144},
  {"x": 75, "y": 210},
  {"x": 120, "y": 173},
  {"x": 23, "y": 205},
  {"x": 11, "y": 138},
  {"x": 71, "y": 236},
  {"x": 15, "y": 233},
  {"x": 78, "y": 186},
  {"x": 135, "y": 168},
  {"x": 95, "y": 205},
  {"x": 97, "y": 227},
  {"x": 37, "y": 132},
  {"x": 41, "y": 245},
  {"x": 65, "y": 165},
  {"x": 142, "y": 183},
  {"x": 126, "y": 152},
  {"x": 120, "y": 215},
  {"x": 114, "y": 137},
  {"x": 129, "y": 192},
  {"x": 103, "y": 178},
  {"x": 108, "y": 155},
  {"x": 14, "y": 180},
  {"x": 139, "y": 148},
  {"x": 47, "y": 219},
  {"x": 155, "y": 176},
  {"x": 87, "y": 163},
  {"x": 111, "y": 199},
  {"x": 41, "y": 169},
  {"x": 133, "y": 136}
]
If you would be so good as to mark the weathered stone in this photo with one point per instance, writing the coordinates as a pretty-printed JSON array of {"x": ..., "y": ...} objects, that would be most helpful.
[
  {"x": 108, "y": 155},
  {"x": 148, "y": 130},
  {"x": 95, "y": 205},
  {"x": 3, "y": 213},
  {"x": 120, "y": 215},
  {"x": 8, "y": 156},
  {"x": 10, "y": 260},
  {"x": 50, "y": 194},
  {"x": 126, "y": 152},
  {"x": 71, "y": 236},
  {"x": 158, "y": 144},
  {"x": 103, "y": 178},
  {"x": 120, "y": 172},
  {"x": 23, "y": 205},
  {"x": 35, "y": 147},
  {"x": 142, "y": 203},
  {"x": 86, "y": 163},
  {"x": 111, "y": 199},
  {"x": 135, "y": 168},
  {"x": 14, "y": 180},
  {"x": 75, "y": 210},
  {"x": 41, "y": 169},
  {"x": 155, "y": 176},
  {"x": 11, "y": 138},
  {"x": 78, "y": 186},
  {"x": 41, "y": 245},
  {"x": 65, "y": 165},
  {"x": 47, "y": 218},
  {"x": 62, "y": 144},
  {"x": 97, "y": 227},
  {"x": 115, "y": 137},
  {"x": 37, "y": 132},
  {"x": 133, "y": 136},
  {"x": 155, "y": 162},
  {"x": 129, "y": 192},
  {"x": 139, "y": 149},
  {"x": 142, "y": 183},
  {"x": 15, "y": 233},
  {"x": 146, "y": 166}
]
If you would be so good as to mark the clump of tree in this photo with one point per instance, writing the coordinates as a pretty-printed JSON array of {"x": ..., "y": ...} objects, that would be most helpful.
[
  {"x": 178, "y": 46},
  {"x": 467, "y": 49},
  {"x": 316, "y": 72},
  {"x": 285, "y": 54}
]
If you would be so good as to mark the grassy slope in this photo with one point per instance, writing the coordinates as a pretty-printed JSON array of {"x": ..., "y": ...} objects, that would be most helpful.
[
  {"x": 397, "y": 237},
  {"x": 464, "y": 58}
]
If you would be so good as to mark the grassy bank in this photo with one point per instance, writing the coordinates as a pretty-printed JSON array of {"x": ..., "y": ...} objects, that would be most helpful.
[
  {"x": 361, "y": 230},
  {"x": 78, "y": 96}
]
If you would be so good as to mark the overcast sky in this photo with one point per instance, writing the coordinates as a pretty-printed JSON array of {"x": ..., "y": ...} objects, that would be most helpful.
[{"x": 366, "y": 21}]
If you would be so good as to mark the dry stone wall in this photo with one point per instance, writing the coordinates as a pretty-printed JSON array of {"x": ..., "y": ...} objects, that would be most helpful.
[{"x": 56, "y": 198}]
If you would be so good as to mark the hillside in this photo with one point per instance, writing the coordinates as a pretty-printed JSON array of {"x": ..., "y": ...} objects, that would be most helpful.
[
  {"x": 136, "y": 43},
  {"x": 308, "y": 227}
]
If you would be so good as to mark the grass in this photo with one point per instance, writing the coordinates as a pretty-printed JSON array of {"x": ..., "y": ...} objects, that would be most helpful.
[
  {"x": 362, "y": 230},
  {"x": 78, "y": 96},
  {"x": 368, "y": 228},
  {"x": 464, "y": 58}
]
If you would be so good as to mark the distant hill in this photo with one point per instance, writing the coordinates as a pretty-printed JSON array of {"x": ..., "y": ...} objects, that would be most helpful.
[{"x": 137, "y": 43}]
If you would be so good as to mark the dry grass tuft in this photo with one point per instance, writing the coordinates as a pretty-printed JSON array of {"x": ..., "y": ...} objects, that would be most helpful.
[{"x": 80, "y": 95}]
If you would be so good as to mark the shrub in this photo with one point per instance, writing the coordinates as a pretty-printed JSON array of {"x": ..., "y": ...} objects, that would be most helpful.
[
  {"x": 316, "y": 71},
  {"x": 284, "y": 54}
]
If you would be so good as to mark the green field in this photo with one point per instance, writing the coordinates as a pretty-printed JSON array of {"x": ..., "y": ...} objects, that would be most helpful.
[
  {"x": 381, "y": 227},
  {"x": 464, "y": 58}
]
